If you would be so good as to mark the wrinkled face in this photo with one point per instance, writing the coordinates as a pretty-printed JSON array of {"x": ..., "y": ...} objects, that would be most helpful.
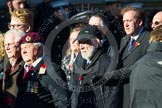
[
  {"x": 18, "y": 4},
  {"x": 131, "y": 25},
  {"x": 88, "y": 48},
  {"x": 74, "y": 45},
  {"x": 157, "y": 20},
  {"x": 115, "y": 9},
  {"x": 11, "y": 47},
  {"x": 29, "y": 52},
  {"x": 17, "y": 24}
]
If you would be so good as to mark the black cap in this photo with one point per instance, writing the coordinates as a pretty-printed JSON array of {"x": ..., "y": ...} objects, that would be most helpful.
[{"x": 88, "y": 33}]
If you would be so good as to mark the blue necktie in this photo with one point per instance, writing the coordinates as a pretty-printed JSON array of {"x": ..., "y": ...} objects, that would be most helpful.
[{"x": 131, "y": 43}]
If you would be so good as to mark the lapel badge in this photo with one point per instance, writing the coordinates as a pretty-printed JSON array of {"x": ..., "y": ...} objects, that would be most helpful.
[
  {"x": 28, "y": 38},
  {"x": 80, "y": 79},
  {"x": 42, "y": 69},
  {"x": 137, "y": 44}
]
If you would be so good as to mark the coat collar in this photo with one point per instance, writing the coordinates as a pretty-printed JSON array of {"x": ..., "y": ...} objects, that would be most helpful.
[
  {"x": 80, "y": 63},
  {"x": 135, "y": 46},
  {"x": 124, "y": 42},
  {"x": 36, "y": 69},
  {"x": 155, "y": 46},
  {"x": 95, "y": 57},
  {"x": 18, "y": 64}
]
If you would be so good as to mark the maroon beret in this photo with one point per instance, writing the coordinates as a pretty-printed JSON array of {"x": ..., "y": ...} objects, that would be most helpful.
[{"x": 31, "y": 37}]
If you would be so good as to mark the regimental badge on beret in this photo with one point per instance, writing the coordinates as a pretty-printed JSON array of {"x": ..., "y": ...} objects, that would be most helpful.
[
  {"x": 28, "y": 38},
  {"x": 31, "y": 37}
]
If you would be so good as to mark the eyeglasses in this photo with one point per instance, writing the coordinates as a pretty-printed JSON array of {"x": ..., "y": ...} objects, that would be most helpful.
[
  {"x": 9, "y": 44},
  {"x": 12, "y": 26},
  {"x": 157, "y": 23}
]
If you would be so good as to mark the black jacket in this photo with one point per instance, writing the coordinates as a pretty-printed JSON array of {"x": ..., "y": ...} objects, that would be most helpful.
[
  {"x": 85, "y": 94},
  {"x": 41, "y": 90},
  {"x": 145, "y": 78}
]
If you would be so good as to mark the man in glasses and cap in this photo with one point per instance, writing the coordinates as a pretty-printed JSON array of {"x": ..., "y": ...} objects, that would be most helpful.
[
  {"x": 36, "y": 83},
  {"x": 91, "y": 61}
]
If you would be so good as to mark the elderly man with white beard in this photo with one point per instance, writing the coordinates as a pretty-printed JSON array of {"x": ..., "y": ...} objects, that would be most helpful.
[{"x": 91, "y": 61}]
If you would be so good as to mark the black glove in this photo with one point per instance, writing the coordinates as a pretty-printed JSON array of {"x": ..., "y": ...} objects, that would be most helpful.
[{"x": 96, "y": 78}]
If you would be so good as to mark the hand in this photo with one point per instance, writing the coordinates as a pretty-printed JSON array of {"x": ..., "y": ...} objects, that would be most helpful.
[{"x": 96, "y": 78}]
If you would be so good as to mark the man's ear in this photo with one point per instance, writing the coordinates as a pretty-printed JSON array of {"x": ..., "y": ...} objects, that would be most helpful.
[
  {"x": 98, "y": 42},
  {"x": 9, "y": 5},
  {"x": 140, "y": 22},
  {"x": 28, "y": 29}
]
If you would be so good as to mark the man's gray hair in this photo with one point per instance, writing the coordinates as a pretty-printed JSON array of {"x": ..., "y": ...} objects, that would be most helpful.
[
  {"x": 37, "y": 45},
  {"x": 17, "y": 33}
]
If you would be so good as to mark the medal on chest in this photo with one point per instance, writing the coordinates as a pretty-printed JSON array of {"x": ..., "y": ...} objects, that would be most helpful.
[{"x": 32, "y": 86}]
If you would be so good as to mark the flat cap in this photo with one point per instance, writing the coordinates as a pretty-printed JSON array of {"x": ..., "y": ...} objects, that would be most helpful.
[
  {"x": 31, "y": 37},
  {"x": 88, "y": 33}
]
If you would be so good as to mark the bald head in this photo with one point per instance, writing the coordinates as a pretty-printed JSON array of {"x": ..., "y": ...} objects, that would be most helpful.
[{"x": 157, "y": 20}]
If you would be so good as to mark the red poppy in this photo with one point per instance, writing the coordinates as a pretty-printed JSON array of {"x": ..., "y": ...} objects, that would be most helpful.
[
  {"x": 8, "y": 100},
  {"x": 42, "y": 69},
  {"x": 137, "y": 44},
  {"x": 80, "y": 78},
  {"x": 70, "y": 66},
  {"x": 43, "y": 66}
]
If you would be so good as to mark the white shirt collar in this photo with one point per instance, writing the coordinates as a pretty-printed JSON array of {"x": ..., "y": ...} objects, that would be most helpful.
[
  {"x": 34, "y": 64},
  {"x": 11, "y": 62},
  {"x": 88, "y": 61},
  {"x": 135, "y": 37}
]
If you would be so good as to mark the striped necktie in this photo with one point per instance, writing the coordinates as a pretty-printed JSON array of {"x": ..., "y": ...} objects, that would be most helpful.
[{"x": 29, "y": 69}]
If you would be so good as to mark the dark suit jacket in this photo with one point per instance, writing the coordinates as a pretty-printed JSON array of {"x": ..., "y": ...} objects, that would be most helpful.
[{"x": 128, "y": 58}]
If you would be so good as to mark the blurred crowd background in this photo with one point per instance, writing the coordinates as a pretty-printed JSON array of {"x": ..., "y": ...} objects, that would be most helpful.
[{"x": 150, "y": 7}]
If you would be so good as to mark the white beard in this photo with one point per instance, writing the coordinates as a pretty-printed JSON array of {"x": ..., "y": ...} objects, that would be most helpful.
[{"x": 89, "y": 53}]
